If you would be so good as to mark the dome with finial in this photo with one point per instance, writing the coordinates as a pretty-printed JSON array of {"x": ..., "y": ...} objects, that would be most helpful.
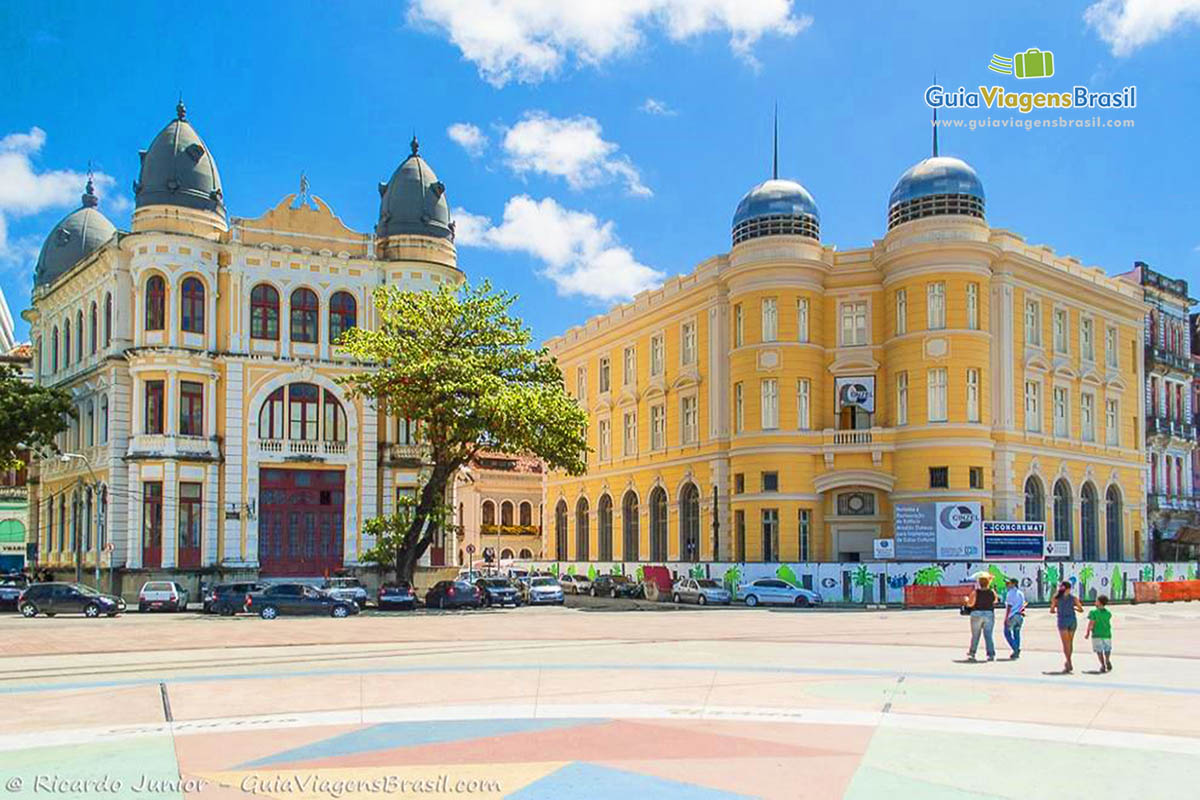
[
  {"x": 76, "y": 236},
  {"x": 413, "y": 201},
  {"x": 936, "y": 186},
  {"x": 776, "y": 207},
  {"x": 178, "y": 169}
]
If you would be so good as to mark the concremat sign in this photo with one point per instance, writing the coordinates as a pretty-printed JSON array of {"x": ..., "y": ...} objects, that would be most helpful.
[
  {"x": 939, "y": 531},
  {"x": 1007, "y": 540}
]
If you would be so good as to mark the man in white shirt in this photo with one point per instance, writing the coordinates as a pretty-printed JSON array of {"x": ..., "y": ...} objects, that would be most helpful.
[{"x": 1014, "y": 616}]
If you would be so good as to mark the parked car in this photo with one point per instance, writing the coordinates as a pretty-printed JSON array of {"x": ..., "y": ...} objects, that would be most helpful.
[
  {"x": 229, "y": 598},
  {"x": 290, "y": 599},
  {"x": 575, "y": 584},
  {"x": 162, "y": 595},
  {"x": 776, "y": 592},
  {"x": 67, "y": 598},
  {"x": 497, "y": 591},
  {"x": 396, "y": 595},
  {"x": 470, "y": 575},
  {"x": 615, "y": 586},
  {"x": 11, "y": 587},
  {"x": 453, "y": 594},
  {"x": 543, "y": 590},
  {"x": 351, "y": 589},
  {"x": 701, "y": 591}
]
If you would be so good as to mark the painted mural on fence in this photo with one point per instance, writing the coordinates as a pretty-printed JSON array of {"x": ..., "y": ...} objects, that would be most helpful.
[{"x": 884, "y": 582}]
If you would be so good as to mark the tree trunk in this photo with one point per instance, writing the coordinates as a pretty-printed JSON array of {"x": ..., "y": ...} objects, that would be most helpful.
[{"x": 422, "y": 527}]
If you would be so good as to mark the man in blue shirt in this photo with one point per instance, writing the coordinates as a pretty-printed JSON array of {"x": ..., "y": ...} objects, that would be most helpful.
[{"x": 1014, "y": 616}]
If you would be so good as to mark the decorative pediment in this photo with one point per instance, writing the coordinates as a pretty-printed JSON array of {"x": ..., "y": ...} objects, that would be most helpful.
[
  {"x": 1089, "y": 375},
  {"x": 688, "y": 376},
  {"x": 839, "y": 478},
  {"x": 628, "y": 396},
  {"x": 853, "y": 361},
  {"x": 1114, "y": 381},
  {"x": 657, "y": 387},
  {"x": 1035, "y": 361}
]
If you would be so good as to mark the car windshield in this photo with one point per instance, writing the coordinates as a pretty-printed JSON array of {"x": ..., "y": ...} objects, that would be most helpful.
[
  {"x": 708, "y": 584},
  {"x": 496, "y": 583},
  {"x": 543, "y": 582},
  {"x": 84, "y": 589}
]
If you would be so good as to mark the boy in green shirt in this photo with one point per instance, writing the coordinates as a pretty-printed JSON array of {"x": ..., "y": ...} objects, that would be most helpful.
[{"x": 1099, "y": 630}]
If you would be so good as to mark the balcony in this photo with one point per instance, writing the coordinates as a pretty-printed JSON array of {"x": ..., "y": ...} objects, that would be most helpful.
[
  {"x": 403, "y": 454},
  {"x": 875, "y": 441},
  {"x": 510, "y": 530},
  {"x": 161, "y": 445},
  {"x": 1160, "y": 359},
  {"x": 302, "y": 448},
  {"x": 1172, "y": 502},
  {"x": 1170, "y": 427}
]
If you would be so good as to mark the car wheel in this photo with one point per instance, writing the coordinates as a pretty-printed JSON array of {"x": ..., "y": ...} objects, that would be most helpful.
[
  {"x": 702, "y": 600},
  {"x": 91, "y": 610},
  {"x": 269, "y": 612},
  {"x": 142, "y": 607},
  {"x": 802, "y": 602},
  {"x": 29, "y": 610},
  {"x": 751, "y": 600},
  {"x": 340, "y": 611},
  {"x": 227, "y": 611},
  {"x": 593, "y": 591},
  {"x": 614, "y": 594}
]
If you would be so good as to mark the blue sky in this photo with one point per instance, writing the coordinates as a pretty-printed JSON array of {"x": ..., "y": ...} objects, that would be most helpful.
[{"x": 593, "y": 155}]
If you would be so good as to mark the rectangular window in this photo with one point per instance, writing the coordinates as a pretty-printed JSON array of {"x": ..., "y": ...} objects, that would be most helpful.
[
  {"x": 103, "y": 419},
  {"x": 1033, "y": 406},
  {"x": 581, "y": 384},
  {"x": 629, "y": 376},
  {"x": 770, "y": 481},
  {"x": 804, "y": 404},
  {"x": 902, "y": 398},
  {"x": 1061, "y": 421},
  {"x": 802, "y": 319},
  {"x": 302, "y": 412},
  {"x": 687, "y": 343},
  {"x": 937, "y": 394},
  {"x": 1110, "y": 347},
  {"x": 739, "y": 483},
  {"x": 656, "y": 355},
  {"x": 770, "y": 534},
  {"x": 605, "y": 376},
  {"x": 152, "y": 515},
  {"x": 770, "y": 320},
  {"x": 939, "y": 477},
  {"x": 191, "y": 408},
  {"x": 805, "y": 533},
  {"x": 630, "y": 433},
  {"x": 1087, "y": 339},
  {"x": 739, "y": 415},
  {"x": 972, "y": 395},
  {"x": 90, "y": 435},
  {"x": 1111, "y": 434},
  {"x": 154, "y": 407},
  {"x": 854, "y": 324},
  {"x": 937, "y": 305},
  {"x": 658, "y": 427},
  {"x": 739, "y": 535},
  {"x": 690, "y": 420},
  {"x": 1033, "y": 323},
  {"x": 976, "y": 477},
  {"x": 770, "y": 404},
  {"x": 738, "y": 326},
  {"x": 605, "y": 440},
  {"x": 1087, "y": 417},
  {"x": 973, "y": 306},
  {"x": 1061, "y": 344},
  {"x": 901, "y": 311},
  {"x": 190, "y": 516}
]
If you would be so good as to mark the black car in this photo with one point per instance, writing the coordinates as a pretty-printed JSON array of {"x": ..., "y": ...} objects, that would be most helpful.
[
  {"x": 67, "y": 598},
  {"x": 294, "y": 599},
  {"x": 229, "y": 598},
  {"x": 11, "y": 587},
  {"x": 615, "y": 586},
  {"x": 453, "y": 594},
  {"x": 396, "y": 595},
  {"x": 498, "y": 591}
]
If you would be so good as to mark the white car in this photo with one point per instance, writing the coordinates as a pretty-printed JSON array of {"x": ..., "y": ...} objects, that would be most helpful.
[
  {"x": 773, "y": 591},
  {"x": 164, "y": 595},
  {"x": 575, "y": 584},
  {"x": 351, "y": 589}
]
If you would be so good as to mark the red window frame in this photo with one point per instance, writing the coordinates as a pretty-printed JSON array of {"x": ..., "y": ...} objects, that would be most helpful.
[
  {"x": 305, "y": 316},
  {"x": 156, "y": 303},
  {"x": 343, "y": 314},
  {"x": 154, "y": 409},
  {"x": 152, "y": 522},
  {"x": 191, "y": 408},
  {"x": 335, "y": 419},
  {"x": 191, "y": 306},
  {"x": 191, "y": 523},
  {"x": 264, "y": 312}
]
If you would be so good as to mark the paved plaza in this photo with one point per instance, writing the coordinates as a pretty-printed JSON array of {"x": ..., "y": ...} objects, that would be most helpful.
[{"x": 548, "y": 702}]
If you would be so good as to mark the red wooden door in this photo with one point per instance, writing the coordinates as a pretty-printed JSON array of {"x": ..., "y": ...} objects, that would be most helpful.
[{"x": 300, "y": 521}]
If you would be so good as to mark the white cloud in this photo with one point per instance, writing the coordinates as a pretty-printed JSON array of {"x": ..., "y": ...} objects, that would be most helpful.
[
  {"x": 572, "y": 149},
  {"x": 468, "y": 137},
  {"x": 1127, "y": 25},
  {"x": 657, "y": 108},
  {"x": 530, "y": 40},
  {"x": 581, "y": 254}
]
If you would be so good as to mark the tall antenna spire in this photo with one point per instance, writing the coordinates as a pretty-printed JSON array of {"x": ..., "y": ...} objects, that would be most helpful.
[
  {"x": 775, "y": 153},
  {"x": 935, "y": 125}
]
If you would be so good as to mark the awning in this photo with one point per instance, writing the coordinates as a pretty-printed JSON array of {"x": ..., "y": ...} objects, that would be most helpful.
[{"x": 1188, "y": 535}]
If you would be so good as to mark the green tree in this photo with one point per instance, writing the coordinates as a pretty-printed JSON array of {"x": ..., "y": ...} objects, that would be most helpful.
[
  {"x": 30, "y": 416},
  {"x": 928, "y": 576},
  {"x": 862, "y": 578},
  {"x": 461, "y": 363}
]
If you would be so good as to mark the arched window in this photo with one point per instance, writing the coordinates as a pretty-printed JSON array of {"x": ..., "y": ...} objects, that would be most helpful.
[
  {"x": 658, "y": 524},
  {"x": 302, "y": 412},
  {"x": 270, "y": 416},
  {"x": 581, "y": 529},
  {"x": 107, "y": 320},
  {"x": 343, "y": 314},
  {"x": 526, "y": 553},
  {"x": 1062, "y": 511},
  {"x": 79, "y": 351},
  {"x": 335, "y": 419},
  {"x": 506, "y": 554},
  {"x": 1087, "y": 523},
  {"x": 1035, "y": 500},
  {"x": 630, "y": 534},
  {"x": 264, "y": 312},
  {"x": 156, "y": 303},
  {"x": 489, "y": 512},
  {"x": 92, "y": 328},
  {"x": 1112, "y": 524},
  {"x": 66, "y": 343},
  {"x": 526, "y": 514},
  {"x": 604, "y": 528},
  {"x": 305, "y": 315},
  {"x": 54, "y": 350},
  {"x": 191, "y": 307},
  {"x": 560, "y": 530},
  {"x": 689, "y": 523},
  {"x": 506, "y": 513}
]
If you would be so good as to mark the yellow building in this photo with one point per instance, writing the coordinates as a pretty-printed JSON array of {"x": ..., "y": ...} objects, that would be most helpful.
[{"x": 778, "y": 401}]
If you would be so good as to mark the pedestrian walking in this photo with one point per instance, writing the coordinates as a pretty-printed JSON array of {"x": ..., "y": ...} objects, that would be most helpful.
[
  {"x": 1099, "y": 630},
  {"x": 982, "y": 605},
  {"x": 1064, "y": 606},
  {"x": 1014, "y": 616}
]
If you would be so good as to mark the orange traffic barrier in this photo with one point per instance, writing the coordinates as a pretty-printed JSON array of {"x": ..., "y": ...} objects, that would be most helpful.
[
  {"x": 933, "y": 596},
  {"x": 1165, "y": 591}
]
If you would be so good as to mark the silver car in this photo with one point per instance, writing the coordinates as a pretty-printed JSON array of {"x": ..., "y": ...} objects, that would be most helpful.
[
  {"x": 701, "y": 591},
  {"x": 542, "y": 590},
  {"x": 349, "y": 589},
  {"x": 575, "y": 584},
  {"x": 773, "y": 591}
]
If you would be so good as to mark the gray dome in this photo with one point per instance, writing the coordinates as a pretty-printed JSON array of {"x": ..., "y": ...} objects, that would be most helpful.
[
  {"x": 935, "y": 186},
  {"x": 776, "y": 207},
  {"x": 178, "y": 170},
  {"x": 414, "y": 201},
  {"x": 76, "y": 236}
]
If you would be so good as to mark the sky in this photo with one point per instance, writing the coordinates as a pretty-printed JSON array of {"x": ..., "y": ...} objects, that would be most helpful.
[{"x": 590, "y": 150}]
